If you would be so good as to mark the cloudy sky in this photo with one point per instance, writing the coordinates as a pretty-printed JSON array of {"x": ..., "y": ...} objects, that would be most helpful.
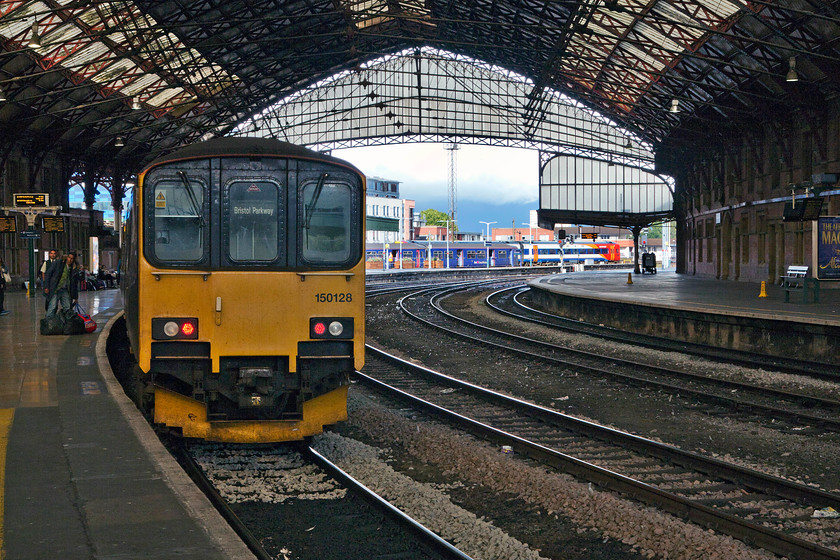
[{"x": 494, "y": 183}]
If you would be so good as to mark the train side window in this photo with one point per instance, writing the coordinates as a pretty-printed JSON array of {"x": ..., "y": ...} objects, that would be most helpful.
[
  {"x": 327, "y": 228},
  {"x": 253, "y": 214},
  {"x": 178, "y": 219}
]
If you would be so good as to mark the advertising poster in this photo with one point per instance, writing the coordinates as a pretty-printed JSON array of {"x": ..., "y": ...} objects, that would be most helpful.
[{"x": 828, "y": 248}]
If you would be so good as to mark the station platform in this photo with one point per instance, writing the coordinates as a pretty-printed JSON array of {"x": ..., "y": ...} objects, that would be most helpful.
[
  {"x": 726, "y": 314},
  {"x": 83, "y": 475}
]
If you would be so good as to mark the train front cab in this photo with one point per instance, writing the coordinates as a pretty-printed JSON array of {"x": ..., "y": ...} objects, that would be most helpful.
[{"x": 249, "y": 312}]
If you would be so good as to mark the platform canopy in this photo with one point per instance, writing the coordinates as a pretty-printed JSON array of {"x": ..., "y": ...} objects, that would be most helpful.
[{"x": 116, "y": 83}]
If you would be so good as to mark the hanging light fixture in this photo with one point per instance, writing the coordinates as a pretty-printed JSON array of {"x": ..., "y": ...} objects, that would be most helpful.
[
  {"x": 675, "y": 106},
  {"x": 35, "y": 40},
  {"x": 119, "y": 142},
  {"x": 2, "y": 95},
  {"x": 792, "y": 76},
  {"x": 135, "y": 104}
]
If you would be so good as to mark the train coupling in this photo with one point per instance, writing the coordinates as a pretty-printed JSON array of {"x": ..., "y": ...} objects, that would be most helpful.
[{"x": 256, "y": 387}]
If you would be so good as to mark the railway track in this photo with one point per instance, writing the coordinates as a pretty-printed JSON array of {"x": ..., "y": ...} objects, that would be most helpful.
[
  {"x": 252, "y": 484},
  {"x": 514, "y": 302},
  {"x": 762, "y": 510},
  {"x": 776, "y": 408}
]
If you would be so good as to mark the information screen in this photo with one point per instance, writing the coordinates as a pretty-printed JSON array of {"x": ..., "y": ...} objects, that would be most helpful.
[
  {"x": 53, "y": 224},
  {"x": 31, "y": 199},
  {"x": 8, "y": 224}
]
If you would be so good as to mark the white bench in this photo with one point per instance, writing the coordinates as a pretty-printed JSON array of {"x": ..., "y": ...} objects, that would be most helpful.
[{"x": 796, "y": 278}]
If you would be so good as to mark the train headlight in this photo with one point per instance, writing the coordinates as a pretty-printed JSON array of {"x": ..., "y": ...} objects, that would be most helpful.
[
  {"x": 331, "y": 327},
  {"x": 174, "y": 328}
]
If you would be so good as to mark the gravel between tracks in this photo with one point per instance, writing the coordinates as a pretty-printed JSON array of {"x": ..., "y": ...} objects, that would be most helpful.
[{"x": 808, "y": 459}]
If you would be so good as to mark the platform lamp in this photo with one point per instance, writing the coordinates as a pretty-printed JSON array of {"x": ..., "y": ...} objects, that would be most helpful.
[
  {"x": 135, "y": 104},
  {"x": 792, "y": 75},
  {"x": 119, "y": 142},
  {"x": 2, "y": 95},
  {"x": 675, "y": 106},
  {"x": 35, "y": 40}
]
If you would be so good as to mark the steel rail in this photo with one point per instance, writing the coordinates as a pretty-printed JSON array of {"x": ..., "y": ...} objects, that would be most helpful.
[
  {"x": 728, "y": 355},
  {"x": 706, "y": 516},
  {"x": 197, "y": 475},
  {"x": 826, "y": 422},
  {"x": 425, "y": 535}
]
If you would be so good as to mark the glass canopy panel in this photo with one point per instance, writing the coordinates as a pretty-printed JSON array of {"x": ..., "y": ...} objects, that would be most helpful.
[
  {"x": 440, "y": 94},
  {"x": 586, "y": 185},
  {"x": 130, "y": 30}
]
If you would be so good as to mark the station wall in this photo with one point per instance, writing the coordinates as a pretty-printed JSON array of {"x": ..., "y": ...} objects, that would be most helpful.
[{"x": 730, "y": 196}]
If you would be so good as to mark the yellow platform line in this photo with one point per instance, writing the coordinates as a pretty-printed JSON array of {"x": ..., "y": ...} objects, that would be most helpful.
[{"x": 6, "y": 416}]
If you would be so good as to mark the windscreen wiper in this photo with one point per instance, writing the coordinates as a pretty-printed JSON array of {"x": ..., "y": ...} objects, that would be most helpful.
[
  {"x": 315, "y": 197},
  {"x": 191, "y": 195}
]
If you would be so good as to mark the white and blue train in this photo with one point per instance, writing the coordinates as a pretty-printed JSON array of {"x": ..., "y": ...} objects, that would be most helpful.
[{"x": 479, "y": 254}]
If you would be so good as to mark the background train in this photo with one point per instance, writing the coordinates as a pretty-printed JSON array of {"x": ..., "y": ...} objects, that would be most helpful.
[
  {"x": 460, "y": 254},
  {"x": 243, "y": 279}
]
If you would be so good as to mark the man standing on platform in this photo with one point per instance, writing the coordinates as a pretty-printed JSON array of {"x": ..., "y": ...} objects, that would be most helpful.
[
  {"x": 44, "y": 268},
  {"x": 62, "y": 280}
]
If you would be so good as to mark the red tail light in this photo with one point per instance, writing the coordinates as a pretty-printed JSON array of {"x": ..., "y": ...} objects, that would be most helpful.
[
  {"x": 331, "y": 327},
  {"x": 174, "y": 328}
]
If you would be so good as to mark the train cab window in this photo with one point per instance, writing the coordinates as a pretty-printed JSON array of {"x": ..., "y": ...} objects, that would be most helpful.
[
  {"x": 327, "y": 219},
  {"x": 253, "y": 215},
  {"x": 178, "y": 225}
]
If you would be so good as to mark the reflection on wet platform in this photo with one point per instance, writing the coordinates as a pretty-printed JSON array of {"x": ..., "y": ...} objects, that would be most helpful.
[{"x": 29, "y": 362}]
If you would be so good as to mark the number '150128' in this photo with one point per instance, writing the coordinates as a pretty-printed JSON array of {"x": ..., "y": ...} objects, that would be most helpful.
[{"x": 334, "y": 298}]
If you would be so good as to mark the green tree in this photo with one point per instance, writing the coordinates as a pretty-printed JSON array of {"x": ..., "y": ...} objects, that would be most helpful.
[{"x": 434, "y": 217}]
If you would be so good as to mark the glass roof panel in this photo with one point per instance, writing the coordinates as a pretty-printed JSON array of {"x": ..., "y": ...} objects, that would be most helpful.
[{"x": 84, "y": 56}]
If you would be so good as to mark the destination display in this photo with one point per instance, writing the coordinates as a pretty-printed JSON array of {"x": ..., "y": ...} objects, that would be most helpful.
[
  {"x": 31, "y": 199},
  {"x": 8, "y": 224},
  {"x": 53, "y": 224},
  {"x": 589, "y": 236}
]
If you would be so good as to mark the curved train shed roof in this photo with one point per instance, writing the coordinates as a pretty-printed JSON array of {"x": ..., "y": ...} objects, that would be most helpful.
[{"x": 77, "y": 75}]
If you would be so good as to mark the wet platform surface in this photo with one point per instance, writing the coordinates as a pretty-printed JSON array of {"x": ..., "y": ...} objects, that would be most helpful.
[
  {"x": 679, "y": 291},
  {"x": 84, "y": 476}
]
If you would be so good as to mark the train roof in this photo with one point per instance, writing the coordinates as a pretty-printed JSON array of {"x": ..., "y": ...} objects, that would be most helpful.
[{"x": 247, "y": 146}]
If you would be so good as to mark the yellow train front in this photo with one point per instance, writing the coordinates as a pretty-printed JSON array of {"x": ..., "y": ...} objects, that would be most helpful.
[{"x": 243, "y": 283}]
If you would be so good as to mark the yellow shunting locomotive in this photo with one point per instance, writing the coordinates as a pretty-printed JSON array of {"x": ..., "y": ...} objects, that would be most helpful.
[{"x": 243, "y": 282}]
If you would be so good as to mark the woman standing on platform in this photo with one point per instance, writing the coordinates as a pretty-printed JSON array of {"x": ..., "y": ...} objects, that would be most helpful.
[{"x": 4, "y": 280}]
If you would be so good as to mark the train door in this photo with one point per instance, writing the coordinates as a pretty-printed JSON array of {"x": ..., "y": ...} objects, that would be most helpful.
[{"x": 460, "y": 253}]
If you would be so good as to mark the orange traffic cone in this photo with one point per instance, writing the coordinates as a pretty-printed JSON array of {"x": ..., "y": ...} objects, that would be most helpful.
[
  {"x": 629, "y": 277},
  {"x": 763, "y": 292}
]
